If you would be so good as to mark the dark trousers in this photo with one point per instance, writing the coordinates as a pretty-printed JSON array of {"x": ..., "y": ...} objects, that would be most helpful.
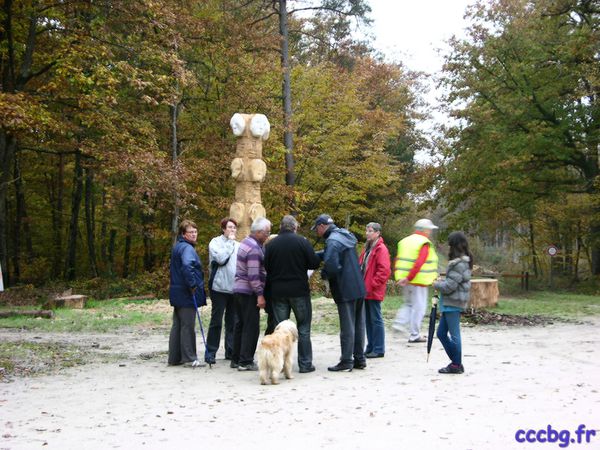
[
  {"x": 302, "y": 308},
  {"x": 245, "y": 337},
  {"x": 352, "y": 331},
  {"x": 182, "y": 340},
  {"x": 375, "y": 327},
  {"x": 221, "y": 303},
  {"x": 271, "y": 322}
]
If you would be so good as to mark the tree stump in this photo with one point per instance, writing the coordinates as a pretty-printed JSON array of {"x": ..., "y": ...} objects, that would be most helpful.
[{"x": 484, "y": 293}]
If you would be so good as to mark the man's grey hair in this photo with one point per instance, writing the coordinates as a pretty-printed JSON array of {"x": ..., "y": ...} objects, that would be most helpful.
[
  {"x": 376, "y": 226},
  {"x": 259, "y": 224},
  {"x": 288, "y": 223}
]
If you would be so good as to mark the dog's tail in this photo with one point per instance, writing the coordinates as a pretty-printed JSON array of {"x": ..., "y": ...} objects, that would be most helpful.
[{"x": 268, "y": 349}]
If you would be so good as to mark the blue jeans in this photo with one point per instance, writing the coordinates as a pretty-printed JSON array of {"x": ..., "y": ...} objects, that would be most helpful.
[
  {"x": 448, "y": 333},
  {"x": 302, "y": 308},
  {"x": 375, "y": 327},
  {"x": 352, "y": 331}
]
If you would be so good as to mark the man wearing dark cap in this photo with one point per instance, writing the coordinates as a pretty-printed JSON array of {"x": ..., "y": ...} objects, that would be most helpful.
[{"x": 342, "y": 270}]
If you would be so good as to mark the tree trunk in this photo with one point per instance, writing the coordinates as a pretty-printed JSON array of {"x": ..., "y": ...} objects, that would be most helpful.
[
  {"x": 103, "y": 231},
  {"x": 534, "y": 256},
  {"x": 73, "y": 226},
  {"x": 19, "y": 220},
  {"x": 128, "y": 232},
  {"x": 174, "y": 109},
  {"x": 7, "y": 151},
  {"x": 111, "y": 251},
  {"x": 22, "y": 228},
  {"x": 290, "y": 176},
  {"x": 147, "y": 220},
  {"x": 29, "y": 253},
  {"x": 595, "y": 244},
  {"x": 577, "y": 254},
  {"x": 55, "y": 199},
  {"x": 596, "y": 260},
  {"x": 89, "y": 220},
  {"x": 8, "y": 68}
]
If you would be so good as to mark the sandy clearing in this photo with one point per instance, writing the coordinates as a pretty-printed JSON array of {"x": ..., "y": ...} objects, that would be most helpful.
[{"x": 516, "y": 378}]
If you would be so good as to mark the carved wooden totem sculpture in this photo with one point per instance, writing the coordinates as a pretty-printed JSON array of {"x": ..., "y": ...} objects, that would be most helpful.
[{"x": 248, "y": 169}]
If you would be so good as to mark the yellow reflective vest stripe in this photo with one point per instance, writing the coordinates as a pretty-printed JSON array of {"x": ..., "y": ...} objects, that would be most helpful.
[{"x": 408, "y": 252}]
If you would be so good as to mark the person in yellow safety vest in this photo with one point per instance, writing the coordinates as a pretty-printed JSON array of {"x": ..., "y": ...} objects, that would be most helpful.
[{"x": 416, "y": 268}]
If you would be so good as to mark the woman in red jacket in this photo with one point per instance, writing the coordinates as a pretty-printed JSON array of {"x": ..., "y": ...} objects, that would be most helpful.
[{"x": 375, "y": 265}]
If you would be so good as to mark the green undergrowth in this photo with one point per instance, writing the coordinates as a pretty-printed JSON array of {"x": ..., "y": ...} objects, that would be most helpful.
[
  {"x": 97, "y": 316},
  {"x": 550, "y": 304},
  {"x": 114, "y": 314}
]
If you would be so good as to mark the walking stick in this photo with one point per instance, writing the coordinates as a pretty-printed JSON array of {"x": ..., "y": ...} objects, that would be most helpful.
[{"x": 200, "y": 322}]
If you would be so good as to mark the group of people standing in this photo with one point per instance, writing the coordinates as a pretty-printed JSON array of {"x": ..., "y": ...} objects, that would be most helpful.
[{"x": 273, "y": 274}]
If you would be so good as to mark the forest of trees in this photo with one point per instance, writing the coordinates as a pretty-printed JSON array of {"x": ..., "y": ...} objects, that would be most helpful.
[
  {"x": 114, "y": 125},
  {"x": 524, "y": 155}
]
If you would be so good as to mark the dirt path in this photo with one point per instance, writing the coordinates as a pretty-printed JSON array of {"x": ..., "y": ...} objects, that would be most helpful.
[{"x": 516, "y": 378}]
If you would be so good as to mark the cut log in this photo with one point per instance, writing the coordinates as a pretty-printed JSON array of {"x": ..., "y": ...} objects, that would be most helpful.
[
  {"x": 70, "y": 301},
  {"x": 138, "y": 297},
  {"x": 484, "y": 293},
  {"x": 46, "y": 314}
]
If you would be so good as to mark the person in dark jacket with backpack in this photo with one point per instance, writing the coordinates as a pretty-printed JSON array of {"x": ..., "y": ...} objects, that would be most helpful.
[
  {"x": 187, "y": 282},
  {"x": 345, "y": 279}
]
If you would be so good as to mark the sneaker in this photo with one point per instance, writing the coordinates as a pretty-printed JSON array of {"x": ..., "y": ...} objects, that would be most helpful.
[
  {"x": 452, "y": 368},
  {"x": 247, "y": 367},
  {"x": 234, "y": 365},
  {"x": 193, "y": 364},
  {"x": 307, "y": 369},
  {"x": 360, "y": 364},
  {"x": 339, "y": 367},
  {"x": 210, "y": 360},
  {"x": 417, "y": 340},
  {"x": 374, "y": 355}
]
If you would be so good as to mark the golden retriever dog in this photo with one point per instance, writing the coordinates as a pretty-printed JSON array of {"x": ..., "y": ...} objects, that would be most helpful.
[{"x": 276, "y": 351}]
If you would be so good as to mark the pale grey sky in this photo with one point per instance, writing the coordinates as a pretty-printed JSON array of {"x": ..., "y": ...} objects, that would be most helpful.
[{"x": 411, "y": 31}]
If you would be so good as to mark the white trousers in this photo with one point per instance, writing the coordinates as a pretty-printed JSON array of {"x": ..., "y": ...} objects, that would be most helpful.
[{"x": 410, "y": 315}]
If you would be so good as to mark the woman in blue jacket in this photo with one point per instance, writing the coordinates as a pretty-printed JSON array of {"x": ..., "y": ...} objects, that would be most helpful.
[{"x": 187, "y": 281}]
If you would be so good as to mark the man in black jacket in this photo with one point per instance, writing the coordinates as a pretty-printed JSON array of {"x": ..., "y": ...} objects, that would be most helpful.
[{"x": 288, "y": 257}]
